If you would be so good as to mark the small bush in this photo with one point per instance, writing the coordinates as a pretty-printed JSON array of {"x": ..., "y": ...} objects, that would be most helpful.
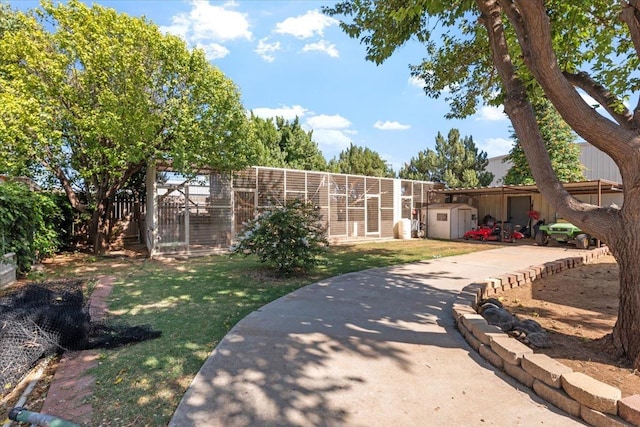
[{"x": 289, "y": 237}]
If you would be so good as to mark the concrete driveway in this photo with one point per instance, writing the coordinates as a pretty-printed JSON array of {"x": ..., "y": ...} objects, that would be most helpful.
[{"x": 373, "y": 348}]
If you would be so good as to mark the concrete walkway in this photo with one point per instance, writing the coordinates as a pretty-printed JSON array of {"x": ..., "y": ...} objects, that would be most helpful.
[{"x": 373, "y": 348}]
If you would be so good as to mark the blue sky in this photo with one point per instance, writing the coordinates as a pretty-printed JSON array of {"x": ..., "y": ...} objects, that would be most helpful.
[{"x": 288, "y": 59}]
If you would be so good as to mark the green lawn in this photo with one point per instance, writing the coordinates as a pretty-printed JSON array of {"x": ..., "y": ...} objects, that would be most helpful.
[{"x": 194, "y": 303}]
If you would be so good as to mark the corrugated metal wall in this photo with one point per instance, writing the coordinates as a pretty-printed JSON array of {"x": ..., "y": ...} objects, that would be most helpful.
[{"x": 597, "y": 164}]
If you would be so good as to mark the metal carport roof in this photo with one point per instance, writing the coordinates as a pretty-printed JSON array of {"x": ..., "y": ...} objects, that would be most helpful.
[{"x": 599, "y": 186}]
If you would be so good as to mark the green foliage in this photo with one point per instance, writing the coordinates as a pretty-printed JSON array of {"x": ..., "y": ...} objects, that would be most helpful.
[
  {"x": 92, "y": 96},
  {"x": 456, "y": 162},
  {"x": 285, "y": 144},
  {"x": 288, "y": 237},
  {"x": 361, "y": 161},
  {"x": 560, "y": 142},
  {"x": 458, "y": 63},
  {"x": 28, "y": 224}
]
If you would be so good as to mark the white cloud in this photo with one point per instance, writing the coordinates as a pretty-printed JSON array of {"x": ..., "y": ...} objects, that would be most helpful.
[
  {"x": 208, "y": 25},
  {"x": 331, "y": 132},
  {"x": 324, "y": 121},
  {"x": 288, "y": 113},
  {"x": 265, "y": 50},
  {"x": 322, "y": 46},
  {"x": 495, "y": 146},
  {"x": 390, "y": 125},
  {"x": 305, "y": 26},
  {"x": 331, "y": 140},
  {"x": 491, "y": 114},
  {"x": 416, "y": 81},
  {"x": 179, "y": 26},
  {"x": 213, "y": 50}
]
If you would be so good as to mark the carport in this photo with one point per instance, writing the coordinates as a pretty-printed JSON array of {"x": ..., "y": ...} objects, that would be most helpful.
[{"x": 514, "y": 203}]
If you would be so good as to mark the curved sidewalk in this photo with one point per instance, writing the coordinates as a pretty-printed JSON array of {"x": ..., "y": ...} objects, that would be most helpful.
[{"x": 372, "y": 348}]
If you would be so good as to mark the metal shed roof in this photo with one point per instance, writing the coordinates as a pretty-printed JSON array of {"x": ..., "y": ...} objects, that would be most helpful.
[{"x": 584, "y": 187}]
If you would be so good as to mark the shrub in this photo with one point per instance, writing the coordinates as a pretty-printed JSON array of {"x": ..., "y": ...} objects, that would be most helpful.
[
  {"x": 289, "y": 237},
  {"x": 28, "y": 224}
]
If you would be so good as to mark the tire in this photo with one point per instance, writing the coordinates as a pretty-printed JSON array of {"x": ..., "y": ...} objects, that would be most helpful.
[
  {"x": 542, "y": 238},
  {"x": 582, "y": 241}
]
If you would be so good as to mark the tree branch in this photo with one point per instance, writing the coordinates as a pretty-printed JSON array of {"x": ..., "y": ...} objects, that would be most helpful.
[
  {"x": 68, "y": 189},
  {"x": 604, "y": 97},
  {"x": 534, "y": 35},
  {"x": 524, "y": 121},
  {"x": 630, "y": 15}
]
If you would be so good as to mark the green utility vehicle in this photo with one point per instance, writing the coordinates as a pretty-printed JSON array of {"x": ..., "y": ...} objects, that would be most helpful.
[{"x": 562, "y": 232}]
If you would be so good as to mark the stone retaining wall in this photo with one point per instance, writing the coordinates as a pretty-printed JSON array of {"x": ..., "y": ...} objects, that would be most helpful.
[{"x": 581, "y": 396}]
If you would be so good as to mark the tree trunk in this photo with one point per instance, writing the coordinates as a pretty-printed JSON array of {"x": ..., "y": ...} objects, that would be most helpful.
[
  {"x": 98, "y": 228},
  {"x": 617, "y": 227},
  {"x": 626, "y": 332}
]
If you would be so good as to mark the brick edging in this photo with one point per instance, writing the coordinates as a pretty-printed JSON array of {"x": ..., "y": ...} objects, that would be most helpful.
[{"x": 577, "y": 394}]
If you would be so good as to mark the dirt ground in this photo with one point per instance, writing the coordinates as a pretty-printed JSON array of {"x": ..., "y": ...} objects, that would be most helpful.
[{"x": 578, "y": 308}]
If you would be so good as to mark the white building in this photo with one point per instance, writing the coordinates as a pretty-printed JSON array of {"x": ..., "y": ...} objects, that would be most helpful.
[{"x": 597, "y": 164}]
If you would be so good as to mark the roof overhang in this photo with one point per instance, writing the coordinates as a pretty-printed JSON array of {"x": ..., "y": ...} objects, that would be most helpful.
[{"x": 575, "y": 188}]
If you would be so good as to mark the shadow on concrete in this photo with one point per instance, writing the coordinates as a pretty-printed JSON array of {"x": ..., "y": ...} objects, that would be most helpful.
[{"x": 285, "y": 363}]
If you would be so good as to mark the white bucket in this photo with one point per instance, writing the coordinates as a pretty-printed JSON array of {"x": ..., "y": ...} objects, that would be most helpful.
[{"x": 404, "y": 228}]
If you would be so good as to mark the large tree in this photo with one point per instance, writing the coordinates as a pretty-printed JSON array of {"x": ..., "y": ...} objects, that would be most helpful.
[
  {"x": 512, "y": 51},
  {"x": 357, "y": 160},
  {"x": 559, "y": 139},
  {"x": 284, "y": 143},
  {"x": 94, "y": 96},
  {"x": 456, "y": 162}
]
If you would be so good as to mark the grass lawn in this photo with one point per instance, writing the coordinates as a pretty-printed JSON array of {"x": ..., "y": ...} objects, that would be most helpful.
[{"x": 194, "y": 303}]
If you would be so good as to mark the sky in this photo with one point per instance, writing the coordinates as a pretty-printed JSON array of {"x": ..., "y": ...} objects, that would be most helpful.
[{"x": 288, "y": 59}]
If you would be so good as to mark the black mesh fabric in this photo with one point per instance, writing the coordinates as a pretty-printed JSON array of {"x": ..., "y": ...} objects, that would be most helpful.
[{"x": 37, "y": 320}]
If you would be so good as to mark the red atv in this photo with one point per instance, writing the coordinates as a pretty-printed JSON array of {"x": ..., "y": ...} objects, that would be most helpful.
[{"x": 485, "y": 232}]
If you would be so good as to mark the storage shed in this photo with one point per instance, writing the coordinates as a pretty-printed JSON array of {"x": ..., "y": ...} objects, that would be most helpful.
[{"x": 450, "y": 220}]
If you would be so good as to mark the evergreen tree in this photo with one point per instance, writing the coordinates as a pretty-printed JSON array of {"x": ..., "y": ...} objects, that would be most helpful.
[
  {"x": 456, "y": 162},
  {"x": 560, "y": 142},
  {"x": 298, "y": 147},
  {"x": 361, "y": 161},
  {"x": 285, "y": 144}
]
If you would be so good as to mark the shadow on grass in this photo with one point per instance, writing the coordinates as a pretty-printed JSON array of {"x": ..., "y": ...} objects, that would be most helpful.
[{"x": 301, "y": 359}]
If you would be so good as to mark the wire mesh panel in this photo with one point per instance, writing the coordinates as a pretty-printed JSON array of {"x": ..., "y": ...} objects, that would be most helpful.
[
  {"x": 372, "y": 185},
  {"x": 194, "y": 214},
  {"x": 171, "y": 225},
  {"x": 386, "y": 207},
  {"x": 270, "y": 187},
  {"x": 356, "y": 222},
  {"x": 406, "y": 188},
  {"x": 373, "y": 214},
  {"x": 244, "y": 208},
  {"x": 338, "y": 217},
  {"x": 338, "y": 206},
  {"x": 357, "y": 192},
  {"x": 245, "y": 179},
  {"x": 318, "y": 189},
  {"x": 295, "y": 185}
]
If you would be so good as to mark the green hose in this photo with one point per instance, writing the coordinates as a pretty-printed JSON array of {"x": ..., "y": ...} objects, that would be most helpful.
[{"x": 24, "y": 416}]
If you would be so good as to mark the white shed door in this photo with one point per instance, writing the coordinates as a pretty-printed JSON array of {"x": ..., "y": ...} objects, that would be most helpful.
[{"x": 464, "y": 222}]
